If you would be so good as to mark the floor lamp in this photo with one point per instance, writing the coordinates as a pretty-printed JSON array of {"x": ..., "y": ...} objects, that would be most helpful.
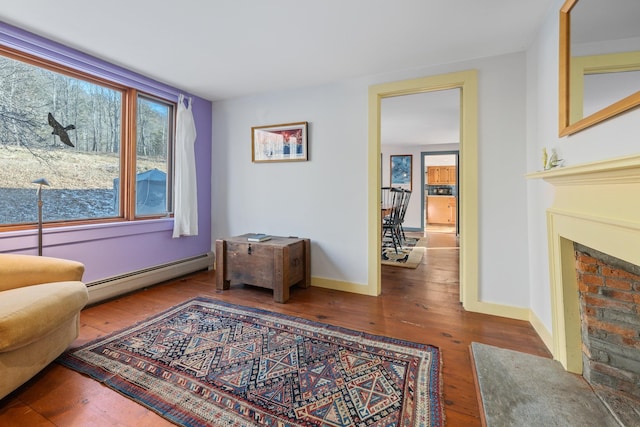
[{"x": 40, "y": 183}]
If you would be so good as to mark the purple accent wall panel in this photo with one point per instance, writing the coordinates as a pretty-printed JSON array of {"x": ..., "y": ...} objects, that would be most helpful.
[{"x": 112, "y": 249}]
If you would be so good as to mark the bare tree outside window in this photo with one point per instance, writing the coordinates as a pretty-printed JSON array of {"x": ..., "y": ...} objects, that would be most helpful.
[{"x": 85, "y": 170}]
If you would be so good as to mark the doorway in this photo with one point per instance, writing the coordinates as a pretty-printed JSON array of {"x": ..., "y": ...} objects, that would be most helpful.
[
  {"x": 440, "y": 174},
  {"x": 467, "y": 82}
]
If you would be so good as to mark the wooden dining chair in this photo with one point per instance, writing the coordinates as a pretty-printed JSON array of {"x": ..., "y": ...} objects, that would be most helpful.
[
  {"x": 386, "y": 200},
  {"x": 391, "y": 222},
  {"x": 403, "y": 211}
]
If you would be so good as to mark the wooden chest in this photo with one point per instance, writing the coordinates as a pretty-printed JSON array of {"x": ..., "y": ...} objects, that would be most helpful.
[{"x": 277, "y": 264}]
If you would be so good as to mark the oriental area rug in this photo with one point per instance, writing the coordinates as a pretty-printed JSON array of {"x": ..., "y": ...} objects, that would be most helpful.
[{"x": 209, "y": 363}]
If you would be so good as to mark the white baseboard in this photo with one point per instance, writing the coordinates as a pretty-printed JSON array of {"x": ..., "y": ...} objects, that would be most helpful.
[
  {"x": 541, "y": 329},
  {"x": 103, "y": 289},
  {"x": 518, "y": 313}
]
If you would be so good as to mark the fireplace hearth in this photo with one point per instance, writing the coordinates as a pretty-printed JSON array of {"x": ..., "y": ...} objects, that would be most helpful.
[{"x": 596, "y": 206}]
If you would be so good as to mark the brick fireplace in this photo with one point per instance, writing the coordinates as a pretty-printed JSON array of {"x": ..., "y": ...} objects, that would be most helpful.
[
  {"x": 609, "y": 294},
  {"x": 593, "y": 233}
]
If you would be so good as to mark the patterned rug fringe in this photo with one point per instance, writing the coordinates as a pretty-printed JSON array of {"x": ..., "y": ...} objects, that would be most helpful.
[{"x": 206, "y": 362}]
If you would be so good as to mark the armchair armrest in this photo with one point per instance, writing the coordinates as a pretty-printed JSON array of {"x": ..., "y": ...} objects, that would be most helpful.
[{"x": 17, "y": 271}]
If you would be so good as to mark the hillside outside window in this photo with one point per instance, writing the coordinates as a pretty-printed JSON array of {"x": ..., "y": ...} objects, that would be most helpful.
[{"x": 105, "y": 149}]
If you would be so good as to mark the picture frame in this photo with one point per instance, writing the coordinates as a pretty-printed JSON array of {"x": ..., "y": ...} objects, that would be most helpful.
[
  {"x": 279, "y": 143},
  {"x": 401, "y": 171}
]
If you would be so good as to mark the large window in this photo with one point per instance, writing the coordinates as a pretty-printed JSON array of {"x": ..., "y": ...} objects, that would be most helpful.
[{"x": 105, "y": 149}]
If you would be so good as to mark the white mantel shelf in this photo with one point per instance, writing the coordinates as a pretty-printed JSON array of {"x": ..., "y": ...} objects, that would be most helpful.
[{"x": 621, "y": 170}]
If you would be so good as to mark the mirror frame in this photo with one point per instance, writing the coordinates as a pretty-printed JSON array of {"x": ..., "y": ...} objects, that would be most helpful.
[{"x": 565, "y": 99}]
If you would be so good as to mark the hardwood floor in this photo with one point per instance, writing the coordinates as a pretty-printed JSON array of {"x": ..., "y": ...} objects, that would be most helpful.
[{"x": 420, "y": 305}]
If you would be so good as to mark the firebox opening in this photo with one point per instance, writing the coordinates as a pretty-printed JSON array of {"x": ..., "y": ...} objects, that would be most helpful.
[{"x": 609, "y": 300}]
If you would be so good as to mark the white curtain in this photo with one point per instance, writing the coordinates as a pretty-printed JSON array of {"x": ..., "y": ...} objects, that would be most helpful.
[{"x": 185, "y": 208}]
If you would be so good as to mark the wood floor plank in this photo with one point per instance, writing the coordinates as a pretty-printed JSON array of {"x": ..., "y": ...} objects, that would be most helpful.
[
  {"x": 16, "y": 413},
  {"x": 419, "y": 305}
]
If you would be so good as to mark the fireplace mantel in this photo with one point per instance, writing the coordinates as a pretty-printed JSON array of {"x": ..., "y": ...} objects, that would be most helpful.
[
  {"x": 620, "y": 170},
  {"x": 598, "y": 205}
]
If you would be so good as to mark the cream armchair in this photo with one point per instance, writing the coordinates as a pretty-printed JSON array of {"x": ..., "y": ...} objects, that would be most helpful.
[{"x": 40, "y": 303}]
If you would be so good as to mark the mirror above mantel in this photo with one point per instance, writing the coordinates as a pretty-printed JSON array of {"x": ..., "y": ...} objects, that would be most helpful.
[{"x": 599, "y": 61}]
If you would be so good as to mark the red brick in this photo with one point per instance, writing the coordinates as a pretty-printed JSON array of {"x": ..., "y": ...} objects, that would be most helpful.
[
  {"x": 592, "y": 279},
  {"x": 616, "y": 272},
  {"x": 619, "y": 295},
  {"x": 632, "y": 342},
  {"x": 590, "y": 312},
  {"x": 586, "y": 267},
  {"x": 621, "y": 284},
  {"x": 585, "y": 259},
  {"x": 584, "y": 288},
  {"x": 628, "y": 333},
  {"x": 597, "y": 301}
]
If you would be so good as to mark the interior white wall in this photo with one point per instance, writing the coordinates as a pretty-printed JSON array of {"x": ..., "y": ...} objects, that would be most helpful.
[
  {"x": 502, "y": 189},
  {"x": 614, "y": 138},
  {"x": 325, "y": 199},
  {"x": 542, "y": 106}
]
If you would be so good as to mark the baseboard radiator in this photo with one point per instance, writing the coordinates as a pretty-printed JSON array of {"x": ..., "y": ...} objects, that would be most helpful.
[{"x": 111, "y": 287}]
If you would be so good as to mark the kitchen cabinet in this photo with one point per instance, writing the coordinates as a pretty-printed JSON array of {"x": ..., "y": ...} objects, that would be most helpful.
[
  {"x": 441, "y": 210},
  {"x": 452, "y": 175},
  {"x": 433, "y": 175},
  {"x": 452, "y": 210},
  {"x": 441, "y": 175}
]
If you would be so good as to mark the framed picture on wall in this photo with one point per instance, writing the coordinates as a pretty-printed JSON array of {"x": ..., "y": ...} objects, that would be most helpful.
[
  {"x": 279, "y": 143},
  {"x": 401, "y": 171}
]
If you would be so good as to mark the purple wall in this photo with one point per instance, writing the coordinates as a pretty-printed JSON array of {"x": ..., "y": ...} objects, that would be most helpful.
[{"x": 113, "y": 249}]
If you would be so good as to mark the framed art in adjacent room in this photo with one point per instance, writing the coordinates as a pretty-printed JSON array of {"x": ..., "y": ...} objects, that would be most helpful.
[
  {"x": 401, "y": 171},
  {"x": 279, "y": 143}
]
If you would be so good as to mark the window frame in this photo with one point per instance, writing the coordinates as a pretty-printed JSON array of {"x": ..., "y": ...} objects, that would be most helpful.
[
  {"x": 170, "y": 155},
  {"x": 130, "y": 94}
]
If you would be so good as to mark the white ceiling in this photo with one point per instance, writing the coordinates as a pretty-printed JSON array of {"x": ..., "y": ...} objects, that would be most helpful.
[
  {"x": 219, "y": 49},
  {"x": 419, "y": 119}
]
